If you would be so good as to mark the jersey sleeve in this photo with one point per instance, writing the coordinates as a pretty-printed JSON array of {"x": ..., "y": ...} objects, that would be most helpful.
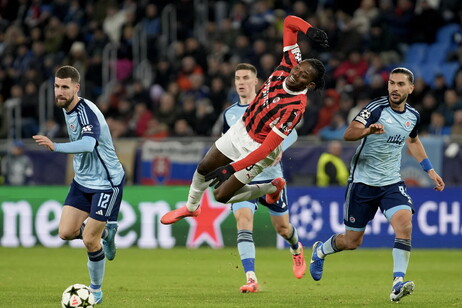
[
  {"x": 291, "y": 51},
  {"x": 415, "y": 130},
  {"x": 368, "y": 116},
  {"x": 89, "y": 122}
]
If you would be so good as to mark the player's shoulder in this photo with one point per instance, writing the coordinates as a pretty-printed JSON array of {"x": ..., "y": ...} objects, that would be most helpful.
[
  {"x": 377, "y": 103},
  {"x": 412, "y": 110}
]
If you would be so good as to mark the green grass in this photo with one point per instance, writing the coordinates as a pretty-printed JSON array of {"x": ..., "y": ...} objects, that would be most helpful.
[{"x": 36, "y": 277}]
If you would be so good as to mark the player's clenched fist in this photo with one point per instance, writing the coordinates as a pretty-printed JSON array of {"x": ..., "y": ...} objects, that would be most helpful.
[{"x": 376, "y": 128}]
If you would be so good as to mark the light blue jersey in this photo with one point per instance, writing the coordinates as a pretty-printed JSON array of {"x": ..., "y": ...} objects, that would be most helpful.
[
  {"x": 231, "y": 115},
  {"x": 99, "y": 169},
  {"x": 377, "y": 159}
]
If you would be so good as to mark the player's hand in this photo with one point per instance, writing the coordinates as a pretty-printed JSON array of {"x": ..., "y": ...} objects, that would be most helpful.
[
  {"x": 45, "y": 141},
  {"x": 439, "y": 183},
  {"x": 376, "y": 128},
  {"x": 319, "y": 36},
  {"x": 219, "y": 175}
]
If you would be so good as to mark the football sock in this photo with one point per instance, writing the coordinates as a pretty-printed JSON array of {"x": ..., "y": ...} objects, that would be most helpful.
[
  {"x": 293, "y": 240},
  {"x": 328, "y": 247},
  {"x": 246, "y": 248},
  {"x": 80, "y": 235},
  {"x": 249, "y": 192},
  {"x": 401, "y": 253},
  {"x": 96, "y": 262},
  {"x": 197, "y": 188}
]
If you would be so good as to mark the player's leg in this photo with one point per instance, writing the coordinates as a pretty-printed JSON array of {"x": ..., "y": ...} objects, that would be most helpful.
[
  {"x": 212, "y": 160},
  {"x": 397, "y": 208},
  {"x": 112, "y": 213},
  {"x": 237, "y": 187},
  {"x": 96, "y": 258},
  {"x": 74, "y": 212},
  {"x": 360, "y": 207},
  {"x": 71, "y": 223},
  {"x": 289, "y": 233},
  {"x": 243, "y": 212}
]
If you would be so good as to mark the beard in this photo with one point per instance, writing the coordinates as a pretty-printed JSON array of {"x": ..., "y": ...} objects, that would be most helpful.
[
  {"x": 62, "y": 104},
  {"x": 400, "y": 101}
]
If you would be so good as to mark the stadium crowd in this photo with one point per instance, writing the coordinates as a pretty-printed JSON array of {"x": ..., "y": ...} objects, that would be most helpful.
[{"x": 192, "y": 79}]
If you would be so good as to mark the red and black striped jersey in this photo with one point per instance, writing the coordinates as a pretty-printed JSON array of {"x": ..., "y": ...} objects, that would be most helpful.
[{"x": 275, "y": 106}]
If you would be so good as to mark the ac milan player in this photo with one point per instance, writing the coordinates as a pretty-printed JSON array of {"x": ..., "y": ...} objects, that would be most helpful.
[{"x": 254, "y": 142}]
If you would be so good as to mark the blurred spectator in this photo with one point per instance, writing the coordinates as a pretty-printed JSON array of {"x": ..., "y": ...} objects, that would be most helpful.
[
  {"x": 354, "y": 65},
  {"x": 151, "y": 26},
  {"x": 188, "y": 68},
  {"x": 51, "y": 129},
  {"x": 261, "y": 17},
  {"x": 426, "y": 108},
  {"x": 182, "y": 129},
  {"x": 382, "y": 42},
  {"x": 438, "y": 126},
  {"x": 423, "y": 30},
  {"x": 361, "y": 102},
  {"x": 17, "y": 167},
  {"x": 331, "y": 170},
  {"x": 335, "y": 130},
  {"x": 364, "y": 15},
  {"x": 376, "y": 68},
  {"x": 329, "y": 107},
  {"x": 450, "y": 104},
  {"x": 167, "y": 112},
  {"x": 205, "y": 117},
  {"x": 456, "y": 128},
  {"x": 349, "y": 39},
  {"x": 29, "y": 110}
]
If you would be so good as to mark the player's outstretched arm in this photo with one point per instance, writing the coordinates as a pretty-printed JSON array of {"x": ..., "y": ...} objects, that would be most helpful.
[
  {"x": 417, "y": 150},
  {"x": 44, "y": 141},
  {"x": 356, "y": 130},
  {"x": 294, "y": 24}
]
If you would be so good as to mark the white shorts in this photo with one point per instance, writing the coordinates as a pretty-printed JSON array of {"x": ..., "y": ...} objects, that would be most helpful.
[{"x": 237, "y": 144}]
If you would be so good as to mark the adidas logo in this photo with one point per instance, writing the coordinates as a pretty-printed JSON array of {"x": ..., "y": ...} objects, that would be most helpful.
[{"x": 100, "y": 212}]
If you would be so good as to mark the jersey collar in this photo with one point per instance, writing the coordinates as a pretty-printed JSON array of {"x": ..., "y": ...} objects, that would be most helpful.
[{"x": 284, "y": 86}]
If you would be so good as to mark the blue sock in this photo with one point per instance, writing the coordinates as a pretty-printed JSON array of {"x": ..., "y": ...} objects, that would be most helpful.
[
  {"x": 246, "y": 248},
  {"x": 96, "y": 263},
  {"x": 401, "y": 253}
]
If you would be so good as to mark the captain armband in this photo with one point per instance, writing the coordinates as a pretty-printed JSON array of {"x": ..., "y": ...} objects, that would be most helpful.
[{"x": 426, "y": 165}]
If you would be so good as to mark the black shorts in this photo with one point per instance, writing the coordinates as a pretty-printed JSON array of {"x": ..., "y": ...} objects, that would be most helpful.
[{"x": 362, "y": 202}]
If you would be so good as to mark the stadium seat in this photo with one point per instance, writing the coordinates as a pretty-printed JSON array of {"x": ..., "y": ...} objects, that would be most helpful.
[
  {"x": 436, "y": 53},
  {"x": 415, "y": 53},
  {"x": 445, "y": 33},
  {"x": 449, "y": 70},
  {"x": 427, "y": 72}
]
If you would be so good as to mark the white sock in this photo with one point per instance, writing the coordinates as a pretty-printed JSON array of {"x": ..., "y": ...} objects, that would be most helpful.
[
  {"x": 250, "y": 192},
  {"x": 251, "y": 275},
  {"x": 197, "y": 188}
]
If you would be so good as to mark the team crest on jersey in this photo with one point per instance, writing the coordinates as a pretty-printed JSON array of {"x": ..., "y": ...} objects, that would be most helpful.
[
  {"x": 276, "y": 99},
  {"x": 72, "y": 126},
  {"x": 87, "y": 129},
  {"x": 408, "y": 124}
]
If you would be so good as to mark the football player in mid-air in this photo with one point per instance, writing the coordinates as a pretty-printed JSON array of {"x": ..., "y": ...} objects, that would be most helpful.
[
  {"x": 96, "y": 191},
  {"x": 254, "y": 141},
  {"x": 384, "y": 125},
  {"x": 245, "y": 80}
]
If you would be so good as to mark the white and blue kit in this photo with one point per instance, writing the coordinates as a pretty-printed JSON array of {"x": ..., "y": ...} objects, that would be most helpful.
[
  {"x": 375, "y": 180},
  {"x": 98, "y": 182},
  {"x": 231, "y": 115}
]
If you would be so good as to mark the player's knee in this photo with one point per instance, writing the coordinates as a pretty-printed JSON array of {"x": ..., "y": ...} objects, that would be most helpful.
[
  {"x": 67, "y": 235},
  {"x": 91, "y": 244}
]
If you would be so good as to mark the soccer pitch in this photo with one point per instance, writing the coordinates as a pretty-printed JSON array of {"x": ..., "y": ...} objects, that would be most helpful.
[{"x": 204, "y": 277}]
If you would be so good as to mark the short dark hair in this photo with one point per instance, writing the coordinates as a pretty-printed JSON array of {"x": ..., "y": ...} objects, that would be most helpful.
[
  {"x": 320, "y": 72},
  {"x": 405, "y": 71},
  {"x": 246, "y": 66},
  {"x": 68, "y": 71}
]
